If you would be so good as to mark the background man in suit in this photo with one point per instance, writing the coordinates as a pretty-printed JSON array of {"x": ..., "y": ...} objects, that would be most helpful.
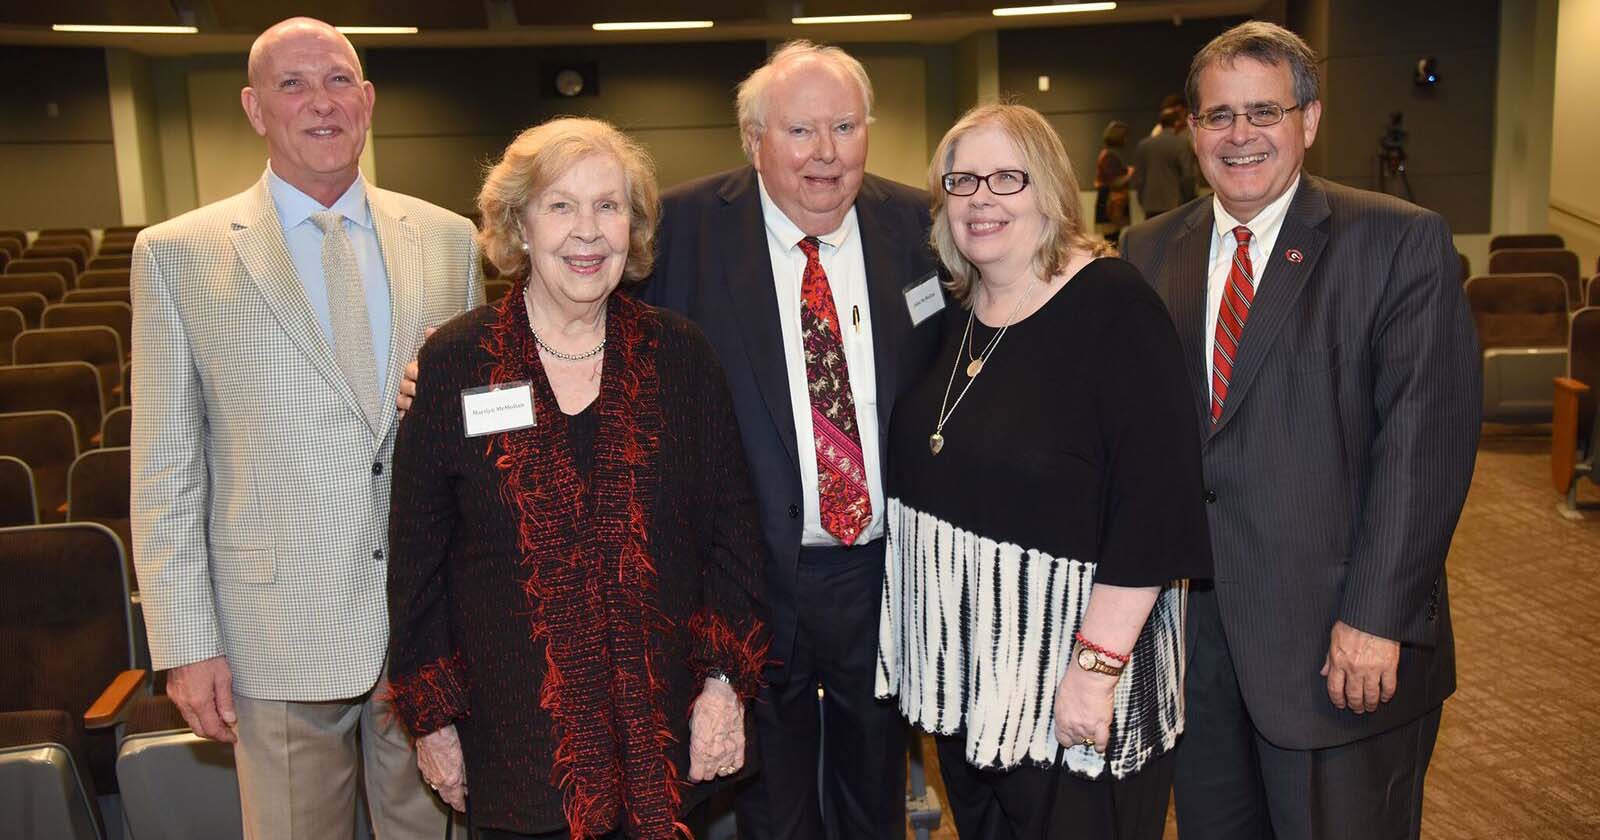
[
  {"x": 815, "y": 284},
  {"x": 1336, "y": 369},
  {"x": 1164, "y": 165},
  {"x": 272, "y": 329}
]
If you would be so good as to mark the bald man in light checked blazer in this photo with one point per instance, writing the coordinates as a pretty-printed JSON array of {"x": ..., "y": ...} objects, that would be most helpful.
[{"x": 272, "y": 328}]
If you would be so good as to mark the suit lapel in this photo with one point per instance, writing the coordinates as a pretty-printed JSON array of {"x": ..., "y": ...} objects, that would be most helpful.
[
  {"x": 1281, "y": 287},
  {"x": 747, "y": 269},
  {"x": 258, "y": 239},
  {"x": 1193, "y": 251},
  {"x": 885, "y": 276},
  {"x": 402, "y": 254}
]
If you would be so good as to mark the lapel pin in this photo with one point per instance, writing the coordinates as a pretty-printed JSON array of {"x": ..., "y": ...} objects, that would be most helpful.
[{"x": 1293, "y": 255}]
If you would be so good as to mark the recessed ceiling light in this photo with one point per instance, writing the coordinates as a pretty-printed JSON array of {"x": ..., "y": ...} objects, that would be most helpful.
[
  {"x": 377, "y": 30},
  {"x": 128, "y": 30},
  {"x": 886, "y": 18},
  {"x": 653, "y": 24},
  {"x": 1060, "y": 9}
]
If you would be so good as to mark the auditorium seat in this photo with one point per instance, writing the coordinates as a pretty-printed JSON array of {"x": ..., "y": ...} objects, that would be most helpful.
[
  {"x": 109, "y": 294},
  {"x": 46, "y": 265},
  {"x": 117, "y": 427},
  {"x": 129, "y": 231},
  {"x": 1526, "y": 240},
  {"x": 113, "y": 314},
  {"x": 100, "y": 278},
  {"x": 66, "y": 231},
  {"x": 1466, "y": 266},
  {"x": 114, "y": 261},
  {"x": 1557, "y": 261},
  {"x": 12, "y": 248},
  {"x": 76, "y": 253},
  {"x": 52, "y": 285},
  {"x": 1575, "y": 428},
  {"x": 494, "y": 290},
  {"x": 99, "y": 346},
  {"x": 47, "y": 441},
  {"x": 19, "y": 502},
  {"x": 43, "y": 791},
  {"x": 161, "y": 762},
  {"x": 69, "y": 387},
  {"x": 1592, "y": 296},
  {"x": 5, "y": 259},
  {"x": 31, "y": 304},
  {"x": 66, "y": 626},
  {"x": 12, "y": 324},
  {"x": 14, "y": 233},
  {"x": 1522, "y": 330},
  {"x": 98, "y": 489}
]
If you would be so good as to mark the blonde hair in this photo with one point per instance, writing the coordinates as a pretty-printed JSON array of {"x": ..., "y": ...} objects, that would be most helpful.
[
  {"x": 1050, "y": 179},
  {"x": 752, "y": 96},
  {"x": 538, "y": 157}
]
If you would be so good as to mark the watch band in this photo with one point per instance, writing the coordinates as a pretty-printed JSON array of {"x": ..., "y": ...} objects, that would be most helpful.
[{"x": 1090, "y": 660}]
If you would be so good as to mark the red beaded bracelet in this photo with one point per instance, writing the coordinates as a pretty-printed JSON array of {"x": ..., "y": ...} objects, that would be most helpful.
[{"x": 1117, "y": 657}]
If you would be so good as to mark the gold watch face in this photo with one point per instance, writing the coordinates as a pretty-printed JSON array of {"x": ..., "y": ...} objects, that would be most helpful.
[{"x": 1086, "y": 659}]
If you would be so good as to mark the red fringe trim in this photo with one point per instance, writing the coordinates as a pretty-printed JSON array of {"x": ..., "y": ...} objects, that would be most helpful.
[
  {"x": 430, "y": 699},
  {"x": 586, "y": 551},
  {"x": 719, "y": 646}
]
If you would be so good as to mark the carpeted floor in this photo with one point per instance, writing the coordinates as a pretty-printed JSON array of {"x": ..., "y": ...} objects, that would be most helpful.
[{"x": 1519, "y": 748}]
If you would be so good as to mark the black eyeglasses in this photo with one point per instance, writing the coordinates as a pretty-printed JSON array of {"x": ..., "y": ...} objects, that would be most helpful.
[
  {"x": 1260, "y": 116},
  {"x": 1003, "y": 182}
]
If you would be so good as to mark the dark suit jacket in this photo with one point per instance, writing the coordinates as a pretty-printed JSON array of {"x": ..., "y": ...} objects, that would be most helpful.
[
  {"x": 1344, "y": 451},
  {"x": 712, "y": 265}
]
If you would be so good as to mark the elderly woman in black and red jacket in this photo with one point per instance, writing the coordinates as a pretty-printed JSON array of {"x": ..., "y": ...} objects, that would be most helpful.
[{"x": 575, "y": 585}]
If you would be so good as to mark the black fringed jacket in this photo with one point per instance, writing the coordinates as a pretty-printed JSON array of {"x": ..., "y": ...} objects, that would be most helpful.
[{"x": 562, "y": 619}]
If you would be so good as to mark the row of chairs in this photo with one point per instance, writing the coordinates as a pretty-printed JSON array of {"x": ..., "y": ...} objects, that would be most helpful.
[
  {"x": 46, "y": 477},
  {"x": 80, "y": 718},
  {"x": 1575, "y": 424}
]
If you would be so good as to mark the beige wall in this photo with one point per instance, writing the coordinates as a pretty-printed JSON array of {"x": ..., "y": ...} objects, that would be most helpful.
[
  {"x": 898, "y": 147},
  {"x": 1574, "y": 166},
  {"x": 228, "y": 156}
]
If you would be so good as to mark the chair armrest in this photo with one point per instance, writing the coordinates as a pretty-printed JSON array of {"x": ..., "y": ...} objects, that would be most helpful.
[
  {"x": 107, "y": 709},
  {"x": 1564, "y": 432}
]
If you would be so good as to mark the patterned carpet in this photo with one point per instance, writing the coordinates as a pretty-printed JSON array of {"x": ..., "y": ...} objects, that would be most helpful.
[{"x": 1518, "y": 755}]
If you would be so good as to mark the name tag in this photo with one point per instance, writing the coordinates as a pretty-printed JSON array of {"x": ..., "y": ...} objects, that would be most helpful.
[
  {"x": 924, "y": 299},
  {"x": 491, "y": 409}
]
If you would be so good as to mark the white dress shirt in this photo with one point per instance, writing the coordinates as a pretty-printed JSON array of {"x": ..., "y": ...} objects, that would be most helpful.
[
  {"x": 1263, "y": 236},
  {"x": 840, "y": 253}
]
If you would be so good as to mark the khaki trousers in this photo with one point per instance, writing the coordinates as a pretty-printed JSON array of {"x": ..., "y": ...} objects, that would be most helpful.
[{"x": 299, "y": 766}]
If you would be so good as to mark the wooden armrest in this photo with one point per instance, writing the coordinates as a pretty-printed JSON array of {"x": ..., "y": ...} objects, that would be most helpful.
[
  {"x": 1564, "y": 432},
  {"x": 107, "y": 709},
  {"x": 62, "y": 508},
  {"x": 95, "y": 439}
]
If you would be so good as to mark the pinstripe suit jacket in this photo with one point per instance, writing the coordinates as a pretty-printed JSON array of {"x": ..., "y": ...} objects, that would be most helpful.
[
  {"x": 1344, "y": 452},
  {"x": 260, "y": 498}
]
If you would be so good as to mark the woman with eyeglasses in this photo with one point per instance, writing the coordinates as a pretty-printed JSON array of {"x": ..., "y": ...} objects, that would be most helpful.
[{"x": 1045, "y": 507}]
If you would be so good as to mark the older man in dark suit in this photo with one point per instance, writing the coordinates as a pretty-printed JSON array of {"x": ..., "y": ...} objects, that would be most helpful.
[
  {"x": 816, "y": 286},
  {"x": 1335, "y": 367}
]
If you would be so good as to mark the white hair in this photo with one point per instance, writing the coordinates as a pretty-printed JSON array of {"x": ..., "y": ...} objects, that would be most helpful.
[{"x": 752, "y": 97}]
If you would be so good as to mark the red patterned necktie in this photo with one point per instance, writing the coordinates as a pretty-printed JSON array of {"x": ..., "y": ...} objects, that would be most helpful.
[
  {"x": 841, "y": 471},
  {"x": 1235, "y": 310}
]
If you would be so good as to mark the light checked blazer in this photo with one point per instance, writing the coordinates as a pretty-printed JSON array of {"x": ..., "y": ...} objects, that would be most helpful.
[{"x": 260, "y": 493}]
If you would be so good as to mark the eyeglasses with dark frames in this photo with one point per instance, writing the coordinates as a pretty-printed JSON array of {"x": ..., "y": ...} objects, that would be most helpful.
[
  {"x": 1261, "y": 116},
  {"x": 1001, "y": 182}
]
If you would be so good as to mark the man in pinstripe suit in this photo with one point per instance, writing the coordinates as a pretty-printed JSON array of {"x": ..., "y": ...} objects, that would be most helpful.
[
  {"x": 272, "y": 328},
  {"x": 1335, "y": 368}
]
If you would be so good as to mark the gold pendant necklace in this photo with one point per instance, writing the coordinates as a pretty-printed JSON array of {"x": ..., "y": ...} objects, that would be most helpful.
[{"x": 974, "y": 367}]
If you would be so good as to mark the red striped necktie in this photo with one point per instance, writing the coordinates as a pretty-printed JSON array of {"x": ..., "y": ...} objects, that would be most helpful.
[
  {"x": 1235, "y": 310},
  {"x": 842, "y": 496}
]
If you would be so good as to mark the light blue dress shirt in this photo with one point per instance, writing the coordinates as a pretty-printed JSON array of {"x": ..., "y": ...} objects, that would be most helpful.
[{"x": 305, "y": 251}]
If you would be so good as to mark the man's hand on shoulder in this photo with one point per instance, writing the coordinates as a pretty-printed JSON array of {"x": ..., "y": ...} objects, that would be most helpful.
[
  {"x": 1361, "y": 668},
  {"x": 203, "y": 693}
]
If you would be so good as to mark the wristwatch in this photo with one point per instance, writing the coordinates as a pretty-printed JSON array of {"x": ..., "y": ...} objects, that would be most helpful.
[{"x": 1088, "y": 660}]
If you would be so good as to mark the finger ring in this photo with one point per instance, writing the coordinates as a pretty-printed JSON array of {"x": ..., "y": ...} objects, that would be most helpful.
[
  {"x": 726, "y": 769},
  {"x": 432, "y": 785},
  {"x": 1088, "y": 742}
]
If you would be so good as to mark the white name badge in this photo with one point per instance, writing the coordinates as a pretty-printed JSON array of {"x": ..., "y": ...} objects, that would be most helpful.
[
  {"x": 924, "y": 299},
  {"x": 491, "y": 409}
]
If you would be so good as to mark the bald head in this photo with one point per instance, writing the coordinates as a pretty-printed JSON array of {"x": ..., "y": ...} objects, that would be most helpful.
[
  {"x": 296, "y": 30},
  {"x": 307, "y": 98}
]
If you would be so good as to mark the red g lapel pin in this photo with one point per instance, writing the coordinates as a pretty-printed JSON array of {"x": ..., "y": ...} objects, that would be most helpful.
[{"x": 1293, "y": 255}]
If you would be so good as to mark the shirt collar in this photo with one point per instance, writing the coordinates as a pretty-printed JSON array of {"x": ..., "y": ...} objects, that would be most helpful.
[
  {"x": 1266, "y": 222},
  {"x": 781, "y": 228},
  {"x": 295, "y": 207}
]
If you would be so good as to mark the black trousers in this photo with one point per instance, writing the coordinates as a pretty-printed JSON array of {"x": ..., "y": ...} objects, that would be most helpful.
[
  {"x": 1034, "y": 803},
  {"x": 1233, "y": 784},
  {"x": 862, "y": 742}
]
